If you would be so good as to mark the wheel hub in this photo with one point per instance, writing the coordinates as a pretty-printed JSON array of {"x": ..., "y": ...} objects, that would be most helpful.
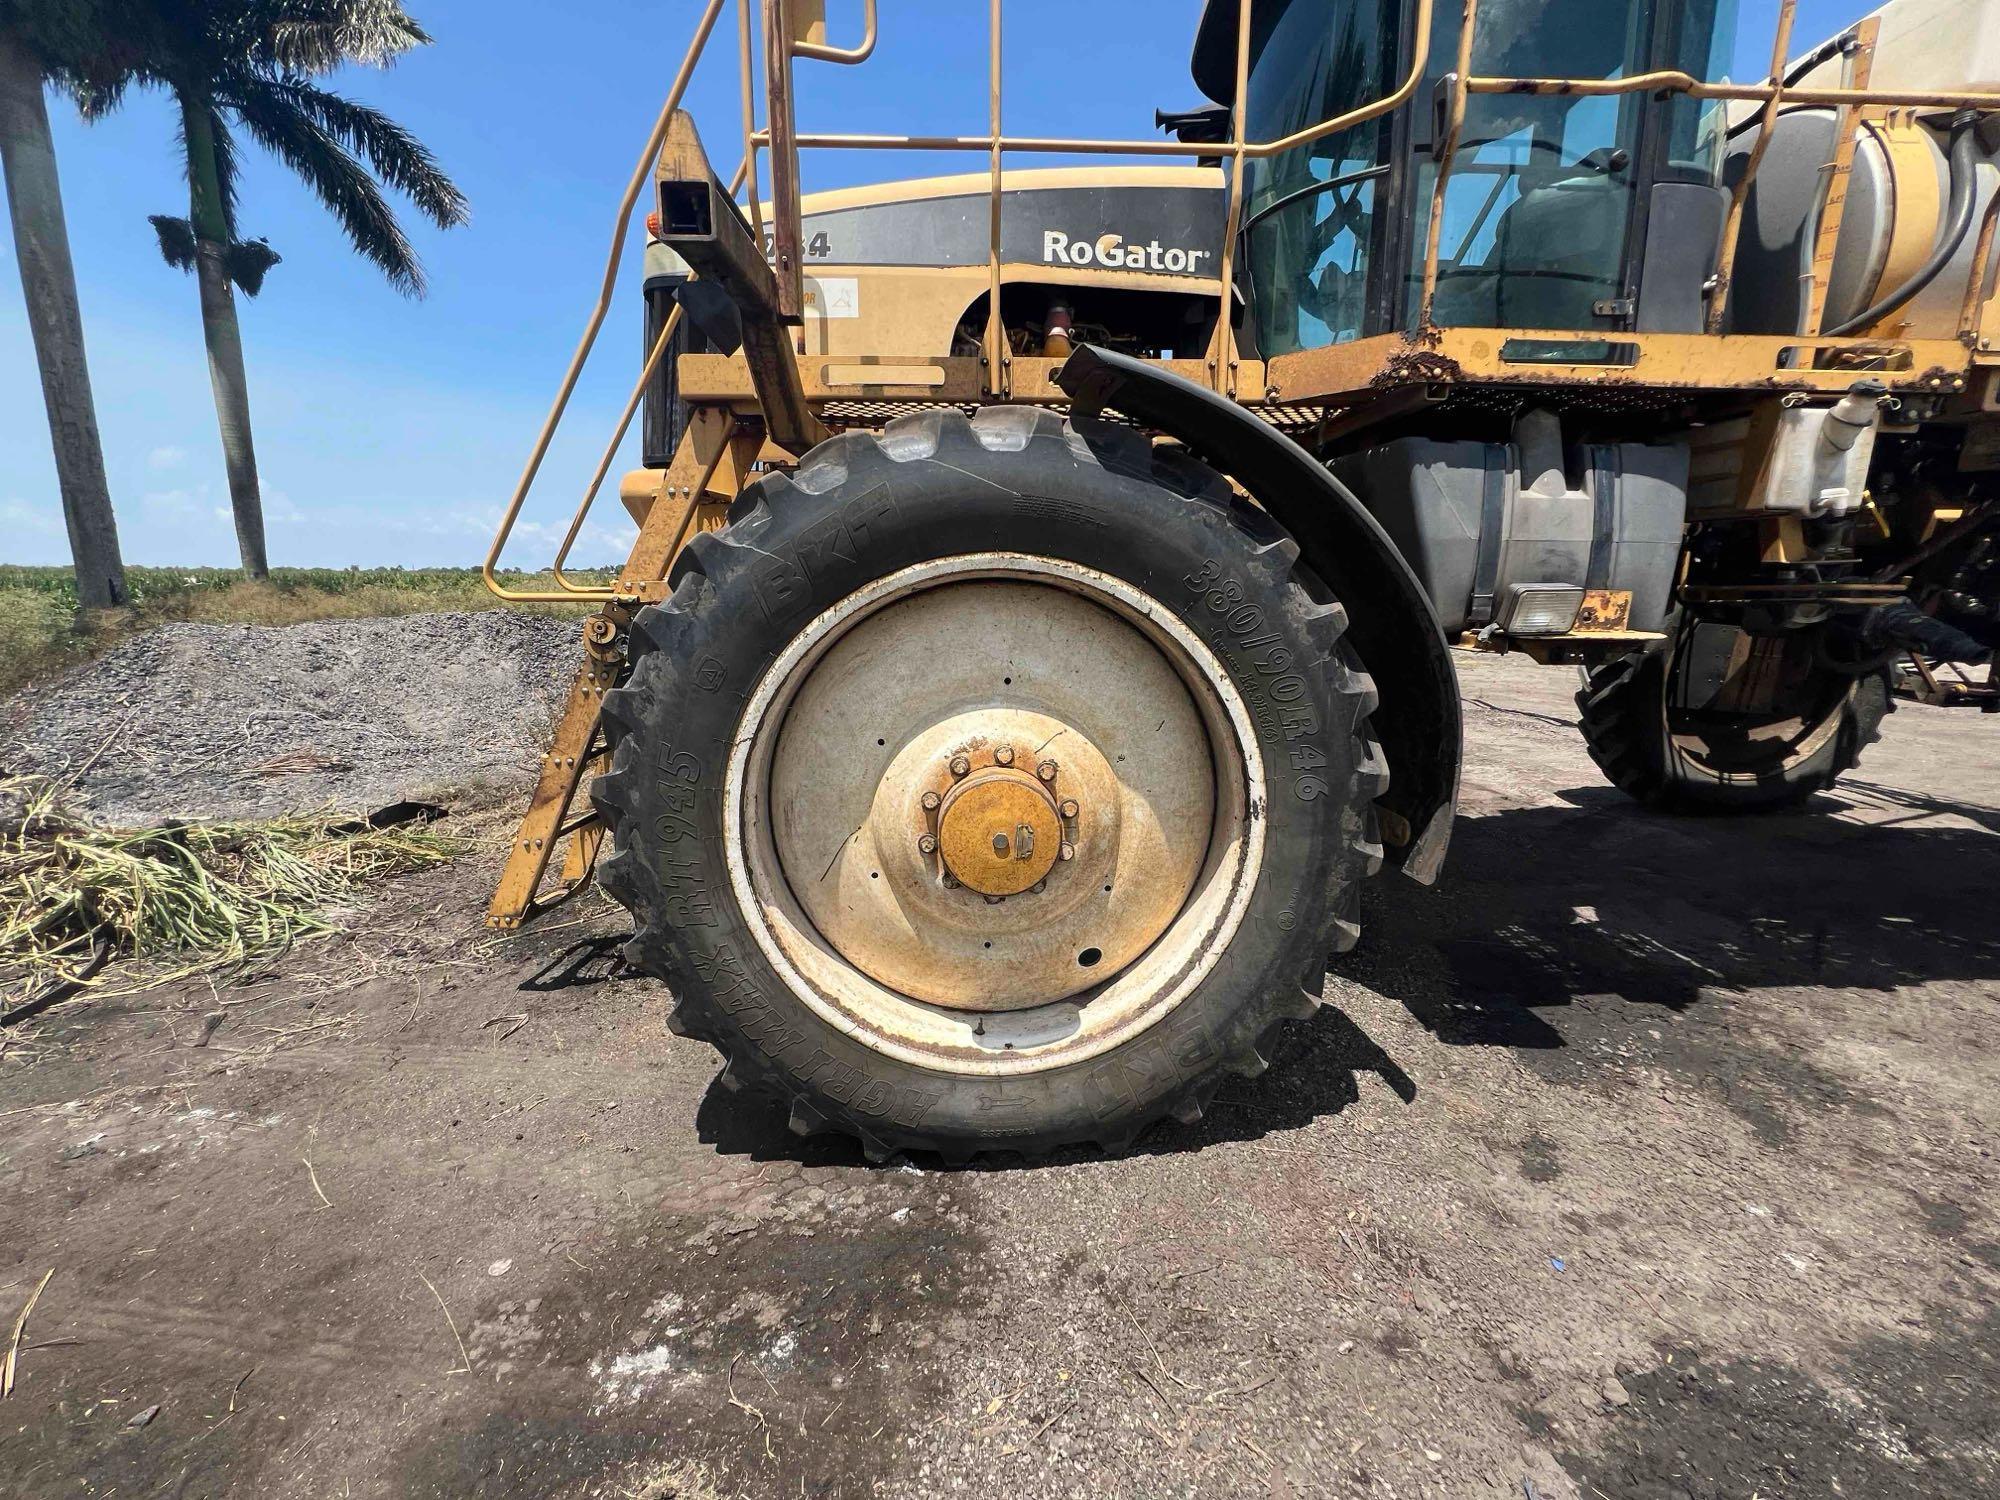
[{"x": 999, "y": 831}]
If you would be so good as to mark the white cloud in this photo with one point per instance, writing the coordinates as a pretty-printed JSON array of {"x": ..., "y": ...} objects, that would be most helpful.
[
  {"x": 20, "y": 517},
  {"x": 164, "y": 458},
  {"x": 614, "y": 541},
  {"x": 173, "y": 502},
  {"x": 533, "y": 542}
]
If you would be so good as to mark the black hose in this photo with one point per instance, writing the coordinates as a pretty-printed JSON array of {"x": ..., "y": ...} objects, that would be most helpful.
[
  {"x": 1957, "y": 224},
  {"x": 1833, "y": 47}
]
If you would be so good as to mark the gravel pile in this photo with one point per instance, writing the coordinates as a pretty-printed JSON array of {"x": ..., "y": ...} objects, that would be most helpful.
[{"x": 249, "y": 721}]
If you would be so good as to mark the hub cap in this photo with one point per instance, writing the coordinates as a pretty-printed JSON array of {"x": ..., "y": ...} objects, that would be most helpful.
[
  {"x": 998, "y": 832},
  {"x": 991, "y": 813}
]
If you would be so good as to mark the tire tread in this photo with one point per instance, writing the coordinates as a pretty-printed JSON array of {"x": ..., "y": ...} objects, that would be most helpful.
[{"x": 852, "y": 455}]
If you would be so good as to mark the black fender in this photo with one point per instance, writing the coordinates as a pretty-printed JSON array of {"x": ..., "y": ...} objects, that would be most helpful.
[{"x": 1392, "y": 623}]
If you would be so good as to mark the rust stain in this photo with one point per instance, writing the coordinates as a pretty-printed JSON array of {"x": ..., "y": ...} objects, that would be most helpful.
[
  {"x": 1418, "y": 367},
  {"x": 1604, "y": 609}
]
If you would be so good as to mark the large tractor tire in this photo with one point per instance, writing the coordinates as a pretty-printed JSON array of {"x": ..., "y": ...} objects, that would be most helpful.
[
  {"x": 1657, "y": 747},
  {"x": 990, "y": 784}
]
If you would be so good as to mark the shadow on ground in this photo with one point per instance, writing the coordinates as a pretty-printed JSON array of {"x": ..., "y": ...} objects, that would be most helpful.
[
  {"x": 1584, "y": 937},
  {"x": 1315, "y": 1071},
  {"x": 1582, "y": 929},
  {"x": 590, "y": 961},
  {"x": 1544, "y": 906},
  {"x": 1909, "y": 1420}
]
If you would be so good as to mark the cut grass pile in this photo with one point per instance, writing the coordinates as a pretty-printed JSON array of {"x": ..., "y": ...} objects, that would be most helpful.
[
  {"x": 41, "y": 636},
  {"x": 194, "y": 897}
]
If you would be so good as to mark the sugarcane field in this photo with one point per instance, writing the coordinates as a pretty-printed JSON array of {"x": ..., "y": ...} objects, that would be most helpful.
[{"x": 1237, "y": 748}]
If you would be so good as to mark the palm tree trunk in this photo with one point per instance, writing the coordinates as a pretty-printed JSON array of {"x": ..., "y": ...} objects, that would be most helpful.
[
  {"x": 55, "y": 319},
  {"x": 224, "y": 339}
]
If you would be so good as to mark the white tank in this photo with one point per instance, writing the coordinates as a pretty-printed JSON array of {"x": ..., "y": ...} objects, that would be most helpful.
[{"x": 1943, "y": 46}]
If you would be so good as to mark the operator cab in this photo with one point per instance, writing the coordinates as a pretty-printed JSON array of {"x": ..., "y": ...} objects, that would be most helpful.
[{"x": 1561, "y": 211}]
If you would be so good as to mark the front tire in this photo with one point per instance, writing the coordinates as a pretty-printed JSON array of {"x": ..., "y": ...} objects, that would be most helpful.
[{"x": 990, "y": 784}]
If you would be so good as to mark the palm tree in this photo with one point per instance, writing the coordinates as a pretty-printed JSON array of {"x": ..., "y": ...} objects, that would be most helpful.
[
  {"x": 35, "y": 35},
  {"x": 250, "y": 65}
]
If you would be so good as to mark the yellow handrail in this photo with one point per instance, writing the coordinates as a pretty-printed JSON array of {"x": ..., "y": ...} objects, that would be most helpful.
[
  {"x": 640, "y": 175},
  {"x": 610, "y": 454},
  {"x": 820, "y": 52},
  {"x": 1739, "y": 196}
]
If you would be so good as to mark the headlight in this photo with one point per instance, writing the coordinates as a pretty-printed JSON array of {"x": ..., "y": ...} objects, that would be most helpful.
[{"x": 1540, "y": 608}]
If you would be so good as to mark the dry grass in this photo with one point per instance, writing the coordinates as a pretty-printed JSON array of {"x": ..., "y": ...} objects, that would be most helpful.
[
  {"x": 198, "y": 897},
  {"x": 36, "y": 638},
  {"x": 671, "y": 1479}
]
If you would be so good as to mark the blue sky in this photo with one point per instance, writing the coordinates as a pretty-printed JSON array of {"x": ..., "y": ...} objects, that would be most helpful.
[{"x": 390, "y": 430}]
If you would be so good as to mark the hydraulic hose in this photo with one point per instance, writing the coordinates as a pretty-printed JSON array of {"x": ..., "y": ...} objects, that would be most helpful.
[
  {"x": 1847, "y": 41},
  {"x": 1826, "y": 50},
  {"x": 1958, "y": 222}
]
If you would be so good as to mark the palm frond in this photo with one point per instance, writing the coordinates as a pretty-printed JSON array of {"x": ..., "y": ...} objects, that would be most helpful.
[
  {"x": 248, "y": 262},
  {"x": 317, "y": 36},
  {"x": 254, "y": 62},
  {"x": 94, "y": 50},
  {"x": 340, "y": 181},
  {"x": 398, "y": 158},
  {"x": 86, "y": 48},
  {"x": 59, "y": 34},
  {"x": 94, "y": 97},
  {"x": 176, "y": 240}
]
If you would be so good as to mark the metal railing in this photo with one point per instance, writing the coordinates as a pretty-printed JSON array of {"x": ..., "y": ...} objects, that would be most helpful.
[{"x": 786, "y": 41}]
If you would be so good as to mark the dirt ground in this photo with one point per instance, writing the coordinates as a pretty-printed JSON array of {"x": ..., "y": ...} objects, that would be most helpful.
[{"x": 1639, "y": 1158}]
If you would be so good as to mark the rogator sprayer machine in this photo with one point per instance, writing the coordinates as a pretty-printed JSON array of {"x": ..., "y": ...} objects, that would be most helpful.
[{"x": 1040, "y": 618}]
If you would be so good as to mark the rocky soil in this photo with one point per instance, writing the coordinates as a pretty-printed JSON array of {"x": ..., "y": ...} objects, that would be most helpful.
[{"x": 250, "y": 721}]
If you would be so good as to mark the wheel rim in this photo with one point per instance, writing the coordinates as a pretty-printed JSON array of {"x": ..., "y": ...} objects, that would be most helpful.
[
  {"x": 991, "y": 814},
  {"x": 1754, "y": 745}
]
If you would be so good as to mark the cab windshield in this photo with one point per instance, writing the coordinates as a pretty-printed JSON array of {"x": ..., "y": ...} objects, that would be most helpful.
[{"x": 1545, "y": 193}]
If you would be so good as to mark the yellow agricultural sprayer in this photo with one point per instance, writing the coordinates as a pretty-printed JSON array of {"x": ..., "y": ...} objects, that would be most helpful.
[{"x": 1041, "y": 615}]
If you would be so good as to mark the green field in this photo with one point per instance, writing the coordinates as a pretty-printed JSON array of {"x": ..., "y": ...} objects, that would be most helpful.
[{"x": 41, "y": 637}]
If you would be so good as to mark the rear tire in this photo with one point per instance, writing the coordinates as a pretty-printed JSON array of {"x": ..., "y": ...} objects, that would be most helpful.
[
  {"x": 808, "y": 996},
  {"x": 1708, "y": 763}
]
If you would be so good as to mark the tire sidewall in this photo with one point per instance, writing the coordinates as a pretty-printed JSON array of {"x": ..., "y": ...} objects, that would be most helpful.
[{"x": 850, "y": 517}]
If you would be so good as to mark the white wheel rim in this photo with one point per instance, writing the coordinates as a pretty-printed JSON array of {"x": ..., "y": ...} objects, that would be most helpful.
[{"x": 798, "y": 764}]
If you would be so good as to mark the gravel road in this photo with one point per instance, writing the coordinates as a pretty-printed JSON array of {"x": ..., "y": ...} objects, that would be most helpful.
[{"x": 1638, "y": 1160}]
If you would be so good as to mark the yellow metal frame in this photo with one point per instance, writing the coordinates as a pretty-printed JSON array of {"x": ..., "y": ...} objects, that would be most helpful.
[{"x": 718, "y": 452}]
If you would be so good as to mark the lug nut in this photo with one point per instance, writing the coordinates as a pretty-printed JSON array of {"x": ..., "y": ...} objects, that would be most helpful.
[
  {"x": 1038, "y": 887},
  {"x": 1068, "y": 851},
  {"x": 951, "y": 882},
  {"x": 1069, "y": 807},
  {"x": 931, "y": 800},
  {"x": 1004, "y": 755},
  {"x": 995, "y": 900},
  {"x": 928, "y": 843},
  {"x": 960, "y": 766},
  {"x": 1046, "y": 770}
]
